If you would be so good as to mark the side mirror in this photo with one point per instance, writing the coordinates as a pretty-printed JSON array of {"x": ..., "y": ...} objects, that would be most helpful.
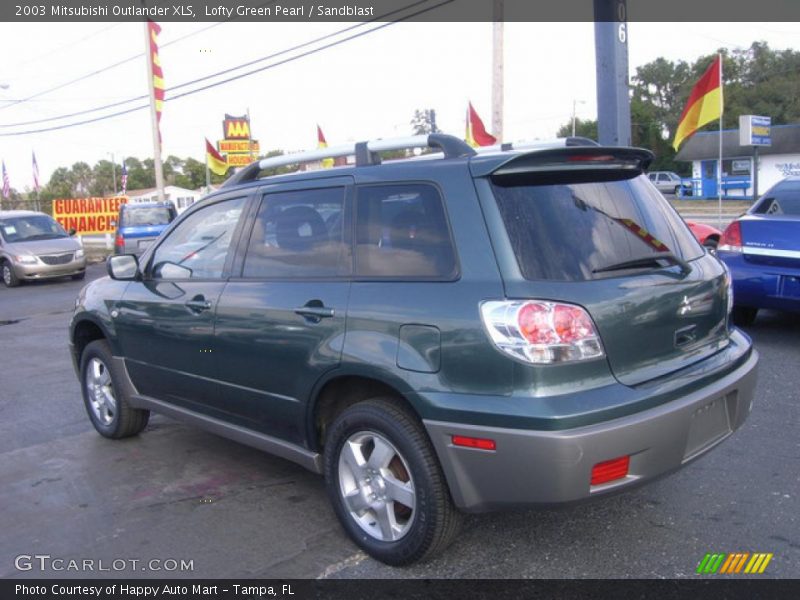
[
  {"x": 123, "y": 267},
  {"x": 72, "y": 231}
]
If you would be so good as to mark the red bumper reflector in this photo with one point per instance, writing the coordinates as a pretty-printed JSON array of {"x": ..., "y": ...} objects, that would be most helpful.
[
  {"x": 471, "y": 442},
  {"x": 610, "y": 470}
]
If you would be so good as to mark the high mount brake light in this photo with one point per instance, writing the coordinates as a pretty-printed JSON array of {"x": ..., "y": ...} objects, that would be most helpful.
[
  {"x": 731, "y": 240},
  {"x": 541, "y": 332}
]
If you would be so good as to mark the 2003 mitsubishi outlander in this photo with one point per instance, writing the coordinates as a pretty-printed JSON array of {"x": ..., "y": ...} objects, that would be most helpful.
[{"x": 456, "y": 332}]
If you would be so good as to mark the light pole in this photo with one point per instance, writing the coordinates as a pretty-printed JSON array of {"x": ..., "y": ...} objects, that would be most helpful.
[{"x": 574, "y": 103}]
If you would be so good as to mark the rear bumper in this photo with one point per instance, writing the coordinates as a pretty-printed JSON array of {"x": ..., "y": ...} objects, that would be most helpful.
[
  {"x": 763, "y": 286},
  {"x": 551, "y": 467}
]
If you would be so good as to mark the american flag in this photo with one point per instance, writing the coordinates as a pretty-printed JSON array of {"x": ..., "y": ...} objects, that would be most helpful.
[
  {"x": 6, "y": 183},
  {"x": 35, "y": 173},
  {"x": 124, "y": 178}
]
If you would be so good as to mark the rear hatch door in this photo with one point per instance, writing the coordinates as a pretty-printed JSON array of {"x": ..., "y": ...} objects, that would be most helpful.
[{"x": 586, "y": 227}]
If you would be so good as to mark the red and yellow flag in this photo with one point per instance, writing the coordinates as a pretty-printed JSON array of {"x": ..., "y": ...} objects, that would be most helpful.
[
  {"x": 154, "y": 29},
  {"x": 327, "y": 163},
  {"x": 215, "y": 160},
  {"x": 476, "y": 132},
  {"x": 704, "y": 104}
]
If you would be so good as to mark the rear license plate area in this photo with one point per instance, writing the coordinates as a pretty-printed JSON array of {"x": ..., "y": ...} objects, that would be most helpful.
[{"x": 709, "y": 425}]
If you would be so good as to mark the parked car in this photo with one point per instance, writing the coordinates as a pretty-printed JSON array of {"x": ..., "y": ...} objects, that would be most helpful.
[
  {"x": 706, "y": 234},
  {"x": 668, "y": 182},
  {"x": 419, "y": 331},
  {"x": 34, "y": 246},
  {"x": 762, "y": 251},
  {"x": 140, "y": 224}
]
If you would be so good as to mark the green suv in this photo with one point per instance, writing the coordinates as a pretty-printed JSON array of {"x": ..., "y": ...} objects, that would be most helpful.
[{"x": 453, "y": 332}]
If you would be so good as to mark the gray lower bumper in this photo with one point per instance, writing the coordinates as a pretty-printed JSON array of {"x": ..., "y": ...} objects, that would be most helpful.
[{"x": 548, "y": 467}]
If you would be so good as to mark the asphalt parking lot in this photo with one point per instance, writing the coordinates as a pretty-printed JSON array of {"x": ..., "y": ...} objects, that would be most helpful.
[{"x": 176, "y": 493}]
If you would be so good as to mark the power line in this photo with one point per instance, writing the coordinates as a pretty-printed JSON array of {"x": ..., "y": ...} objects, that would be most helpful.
[
  {"x": 211, "y": 76},
  {"x": 242, "y": 75},
  {"x": 98, "y": 72}
]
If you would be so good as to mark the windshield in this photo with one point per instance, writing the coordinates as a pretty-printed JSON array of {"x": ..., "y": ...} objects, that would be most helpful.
[
  {"x": 30, "y": 228},
  {"x": 784, "y": 200},
  {"x": 575, "y": 232},
  {"x": 146, "y": 215}
]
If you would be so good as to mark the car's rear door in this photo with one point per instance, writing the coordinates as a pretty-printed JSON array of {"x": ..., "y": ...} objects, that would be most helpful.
[
  {"x": 280, "y": 321},
  {"x": 165, "y": 322}
]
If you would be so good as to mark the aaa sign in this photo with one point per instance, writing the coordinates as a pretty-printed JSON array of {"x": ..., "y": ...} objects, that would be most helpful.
[{"x": 88, "y": 215}]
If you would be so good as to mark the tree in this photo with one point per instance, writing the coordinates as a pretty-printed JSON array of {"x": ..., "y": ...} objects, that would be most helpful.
[
  {"x": 424, "y": 122},
  {"x": 583, "y": 128}
]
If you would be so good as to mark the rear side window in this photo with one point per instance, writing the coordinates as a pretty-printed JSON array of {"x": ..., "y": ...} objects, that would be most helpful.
[
  {"x": 146, "y": 215},
  {"x": 571, "y": 232},
  {"x": 299, "y": 234},
  {"x": 401, "y": 231}
]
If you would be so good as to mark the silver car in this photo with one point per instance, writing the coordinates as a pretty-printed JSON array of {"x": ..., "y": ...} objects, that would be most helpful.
[
  {"x": 668, "y": 182},
  {"x": 34, "y": 246}
]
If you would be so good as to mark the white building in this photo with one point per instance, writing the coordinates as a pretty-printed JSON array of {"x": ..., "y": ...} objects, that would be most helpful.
[
  {"x": 775, "y": 162},
  {"x": 180, "y": 197}
]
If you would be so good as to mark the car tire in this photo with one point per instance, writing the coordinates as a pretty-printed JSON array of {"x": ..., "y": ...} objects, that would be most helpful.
[
  {"x": 104, "y": 397},
  {"x": 79, "y": 276},
  {"x": 677, "y": 190},
  {"x": 711, "y": 245},
  {"x": 371, "y": 493},
  {"x": 10, "y": 278},
  {"x": 744, "y": 315}
]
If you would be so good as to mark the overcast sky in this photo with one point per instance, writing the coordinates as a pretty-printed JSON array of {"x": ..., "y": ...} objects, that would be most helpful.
[{"x": 365, "y": 88}]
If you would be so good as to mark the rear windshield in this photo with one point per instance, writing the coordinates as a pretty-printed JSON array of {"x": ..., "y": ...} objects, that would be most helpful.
[
  {"x": 146, "y": 215},
  {"x": 574, "y": 232},
  {"x": 784, "y": 200}
]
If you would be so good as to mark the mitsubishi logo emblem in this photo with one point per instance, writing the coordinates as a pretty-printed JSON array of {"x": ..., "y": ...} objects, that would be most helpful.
[{"x": 686, "y": 306}]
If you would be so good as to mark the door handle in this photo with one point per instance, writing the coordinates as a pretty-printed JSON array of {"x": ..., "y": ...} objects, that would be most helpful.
[
  {"x": 315, "y": 313},
  {"x": 198, "y": 304}
]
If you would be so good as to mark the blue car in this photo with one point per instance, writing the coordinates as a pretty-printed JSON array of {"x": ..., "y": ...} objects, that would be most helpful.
[
  {"x": 140, "y": 224},
  {"x": 762, "y": 250}
]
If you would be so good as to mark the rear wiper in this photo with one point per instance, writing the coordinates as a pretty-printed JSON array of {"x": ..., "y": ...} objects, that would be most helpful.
[{"x": 646, "y": 261}]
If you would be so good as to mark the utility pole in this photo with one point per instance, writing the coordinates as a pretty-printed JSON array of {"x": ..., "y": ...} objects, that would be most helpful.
[
  {"x": 153, "y": 116},
  {"x": 611, "y": 59},
  {"x": 114, "y": 172},
  {"x": 497, "y": 70}
]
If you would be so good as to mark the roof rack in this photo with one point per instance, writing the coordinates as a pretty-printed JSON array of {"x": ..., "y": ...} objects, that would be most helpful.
[{"x": 366, "y": 153}]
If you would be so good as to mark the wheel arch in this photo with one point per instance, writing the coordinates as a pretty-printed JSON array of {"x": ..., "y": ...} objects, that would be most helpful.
[
  {"x": 86, "y": 330},
  {"x": 340, "y": 390}
]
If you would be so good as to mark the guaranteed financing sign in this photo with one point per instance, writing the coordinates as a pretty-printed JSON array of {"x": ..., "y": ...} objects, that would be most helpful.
[{"x": 88, "y": 215}]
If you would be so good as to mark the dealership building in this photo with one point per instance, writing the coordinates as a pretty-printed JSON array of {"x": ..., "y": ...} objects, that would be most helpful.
[{"x": 776, "y": 161}]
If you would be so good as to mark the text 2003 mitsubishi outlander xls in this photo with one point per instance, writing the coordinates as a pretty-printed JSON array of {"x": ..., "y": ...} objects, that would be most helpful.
[{"x": 453, "y": 332}]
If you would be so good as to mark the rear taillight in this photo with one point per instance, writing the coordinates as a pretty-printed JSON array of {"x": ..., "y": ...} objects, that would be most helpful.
[
  {"x": 119, "y": 241},
  {"x": 731, "y": 240},
  {"x": 610, "y": 470},
  {"x": 541, "y": 332}
]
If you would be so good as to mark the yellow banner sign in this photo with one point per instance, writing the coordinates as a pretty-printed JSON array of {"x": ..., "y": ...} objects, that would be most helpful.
[
  {"x": 239, "y": 160},
  {"x": 88, "y": 215},
  {"x": 237, "y": 146}
]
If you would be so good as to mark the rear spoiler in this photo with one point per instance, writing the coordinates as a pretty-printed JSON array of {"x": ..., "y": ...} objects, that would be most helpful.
[{"x": 572, "y": 164}]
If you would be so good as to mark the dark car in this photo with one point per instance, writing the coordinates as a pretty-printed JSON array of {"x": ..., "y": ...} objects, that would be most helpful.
[
  {"x": 762, "y": 250},
  {"x": 455, "y": 333},
  {"x": 139, "y": 225}
]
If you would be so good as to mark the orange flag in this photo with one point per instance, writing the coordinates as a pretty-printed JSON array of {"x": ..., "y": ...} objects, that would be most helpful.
[
  {"x": 704, "y": 104},
  {"x": 215, "y": 161},
  {"x": 158, "y": 75},
  {"x": 476, "y": 132},
  {"x": 327, "y": 163}
]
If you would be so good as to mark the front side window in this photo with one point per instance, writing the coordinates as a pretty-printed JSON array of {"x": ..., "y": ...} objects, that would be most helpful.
[
  {"x": 580, "y": 231},
  {"x": 300, "y": 233},
  {"x": 198, "y": 247},
  {"x": 402, "y": 232}
]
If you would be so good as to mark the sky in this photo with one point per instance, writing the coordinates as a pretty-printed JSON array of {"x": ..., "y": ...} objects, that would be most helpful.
[{"x": 364, "y": 88}]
